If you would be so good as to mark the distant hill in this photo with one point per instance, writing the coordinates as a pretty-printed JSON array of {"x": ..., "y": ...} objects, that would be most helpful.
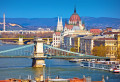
[
  {"x": 11, "y": 26},
  {"x": 34, "y": 23}
]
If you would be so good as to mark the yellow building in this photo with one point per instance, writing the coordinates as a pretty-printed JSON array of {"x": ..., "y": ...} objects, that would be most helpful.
[
  {"x": 117, "y": 37},
  {"x": 77, "y": 42},
  {"x": 112, "y": 46}
]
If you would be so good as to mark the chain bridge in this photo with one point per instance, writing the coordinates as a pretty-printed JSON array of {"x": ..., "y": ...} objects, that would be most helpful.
[{"x": 38, "y": 52}]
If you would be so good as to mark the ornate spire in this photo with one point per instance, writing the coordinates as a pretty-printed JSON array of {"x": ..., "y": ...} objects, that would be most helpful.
[
  {"x": 59, "y": 24},
  {"x": 58, "y": 19},
  {"x": 61, "y": 20},
  {"x": 75, "y": 9}
]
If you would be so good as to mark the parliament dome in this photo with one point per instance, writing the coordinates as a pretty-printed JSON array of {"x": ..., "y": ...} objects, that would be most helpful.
[{"x": 75, "y": 17}]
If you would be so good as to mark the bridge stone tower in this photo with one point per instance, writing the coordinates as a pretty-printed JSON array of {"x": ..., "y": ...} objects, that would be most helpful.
[
  {"x": 20, "y": 42},
  {"x": 48, "y": 41},
  {"x": 38, "y": 59}
]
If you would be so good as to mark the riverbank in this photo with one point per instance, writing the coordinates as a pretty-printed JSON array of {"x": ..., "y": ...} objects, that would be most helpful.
[
  {"x": 9, "y": 43},
  {"x": 14, "y": 43}
]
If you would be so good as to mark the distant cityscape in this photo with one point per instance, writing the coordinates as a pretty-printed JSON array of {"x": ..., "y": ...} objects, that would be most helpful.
[
  {"x": 73, "y": 36},
  {"x": 93, "y": 45}
]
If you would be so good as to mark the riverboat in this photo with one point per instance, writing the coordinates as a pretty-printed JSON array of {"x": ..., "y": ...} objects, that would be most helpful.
[
  {"x": 102, "y": 65},
  {"x": 74, "y": 60},
  {"x": 116, "y": 69}
]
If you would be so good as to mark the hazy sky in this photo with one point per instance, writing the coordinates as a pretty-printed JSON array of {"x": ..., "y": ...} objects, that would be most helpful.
[{"x": 54, "y": 8}]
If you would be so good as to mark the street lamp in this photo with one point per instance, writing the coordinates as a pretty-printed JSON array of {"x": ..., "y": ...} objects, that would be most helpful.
[
  {"x": 81, "y": 47},
  {"x": 44, "y": 71}
]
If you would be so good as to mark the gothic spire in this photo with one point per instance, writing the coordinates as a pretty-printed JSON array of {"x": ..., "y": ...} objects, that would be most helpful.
[
  {"x": 75, "y": 9},
  {"x": 61, "y": 20},
  {"x": 58, "y": 19}
]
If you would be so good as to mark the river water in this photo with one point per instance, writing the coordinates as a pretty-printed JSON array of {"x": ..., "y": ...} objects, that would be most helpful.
[{"x": 21, "y": 67}]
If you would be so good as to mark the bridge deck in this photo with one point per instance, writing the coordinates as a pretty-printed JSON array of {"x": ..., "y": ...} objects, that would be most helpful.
[
  {"x": 15, "y": 57},
  {"x": 56, "y": 57}
]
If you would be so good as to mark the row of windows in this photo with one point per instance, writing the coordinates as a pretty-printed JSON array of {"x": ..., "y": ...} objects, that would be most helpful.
[
  {"x": 56, "y": 38},
  {"x": 56, "y": 43},
  {"x": 57, "y": 35}
]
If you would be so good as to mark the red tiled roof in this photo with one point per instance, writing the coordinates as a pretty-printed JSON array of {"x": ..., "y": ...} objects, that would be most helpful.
[
  {"x": 4, "y": 81},
  {"x": 58, "y": 33},
  {"x": 77, "y": 80},
  {"x": 69, "y": 26},
  {"x": 97, "y": 81},
  {"x": 111, "y": 33},
  {"x": 95, "y": 31},
  {"x": 106, "y": 39},
  {"x": 75, "y": 17}
]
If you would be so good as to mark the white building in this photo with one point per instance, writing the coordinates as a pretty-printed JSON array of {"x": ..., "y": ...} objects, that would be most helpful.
[{"x": 56, "y": 39}]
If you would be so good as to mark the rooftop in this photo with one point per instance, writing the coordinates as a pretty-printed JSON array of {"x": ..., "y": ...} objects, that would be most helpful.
[
  {"x": 69, "y": 26},
  {"x": 111, "y": 33},
  {"x": 92, "y": 37},
  {"x": 106, "y": 39},
  {"x": 58, "y": 33},
  {"x": 72, "y": 36}
]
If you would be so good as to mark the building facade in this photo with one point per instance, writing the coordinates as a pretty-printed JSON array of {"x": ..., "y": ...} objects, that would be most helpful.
[
  {"x": 112, "y": 46},
  {"x": 56, "y": 39},
  {"x": 69, "y": 42},
  {"x": 109, "y": 44},
  {"x": 87, "y": 43}
]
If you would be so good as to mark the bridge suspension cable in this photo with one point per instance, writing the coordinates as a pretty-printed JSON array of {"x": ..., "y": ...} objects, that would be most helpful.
[
  {"x": 76, "y": 55},
  {"x": 26, "y": 50}
]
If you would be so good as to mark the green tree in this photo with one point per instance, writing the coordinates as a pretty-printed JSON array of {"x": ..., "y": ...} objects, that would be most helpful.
[
  {"x": 100, "y": 50},
  {"x": 72, "y": 49},
  {"x": 118, "y": 53}
]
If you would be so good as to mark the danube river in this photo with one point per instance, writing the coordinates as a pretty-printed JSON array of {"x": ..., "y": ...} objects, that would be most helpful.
[{"x": 21, "y": 67}]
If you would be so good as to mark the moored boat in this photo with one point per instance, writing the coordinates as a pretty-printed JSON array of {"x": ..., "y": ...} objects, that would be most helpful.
[
  {"x": 74, "y": 60},
  {"x": 102, "y": 65},
  {"x": 116, "y": 69}
]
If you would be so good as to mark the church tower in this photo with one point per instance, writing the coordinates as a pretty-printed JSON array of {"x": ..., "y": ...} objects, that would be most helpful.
[{"x": 59, "y": 25}]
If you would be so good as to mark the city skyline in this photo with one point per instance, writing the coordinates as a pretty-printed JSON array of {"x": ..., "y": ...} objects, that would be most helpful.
[{"x": 62, "y": 8}]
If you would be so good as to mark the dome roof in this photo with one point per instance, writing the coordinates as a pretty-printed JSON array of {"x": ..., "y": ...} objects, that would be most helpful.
[{"x": 75, "y": 17}]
